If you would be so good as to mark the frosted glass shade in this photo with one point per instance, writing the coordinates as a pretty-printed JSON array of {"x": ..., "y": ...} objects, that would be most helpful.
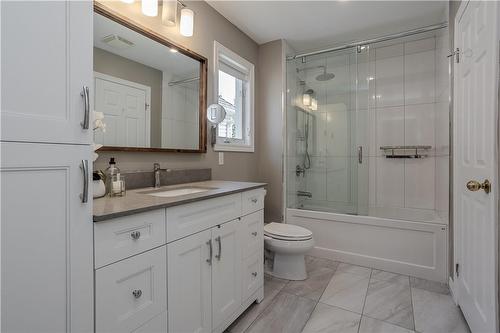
[
  {"x": 314, "y": 104},
  {"x": 169, "y": 12},
  {"x": 306, "y": 99},
  {"x": 150, "y": 7},
  {"x": 187, "y": 22},
  {"x": 128, "y": 1}
]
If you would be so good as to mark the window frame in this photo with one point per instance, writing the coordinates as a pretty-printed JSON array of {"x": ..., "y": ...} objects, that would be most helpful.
[{"x": 231, "y": 59}]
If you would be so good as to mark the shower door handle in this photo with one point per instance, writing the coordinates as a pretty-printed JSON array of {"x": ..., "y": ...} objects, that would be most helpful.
[{"x": 360, "y": 154}]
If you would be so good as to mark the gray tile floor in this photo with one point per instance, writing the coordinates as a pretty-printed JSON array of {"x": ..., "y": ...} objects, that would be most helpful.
[{"x": 339, "y": 297}]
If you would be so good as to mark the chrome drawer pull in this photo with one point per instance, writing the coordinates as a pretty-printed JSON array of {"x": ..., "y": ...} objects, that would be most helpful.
[
  {"x": 135, "y": 235},
  {"x": 137, "y": 293},
  {"x": 254, "y": 274},
  {"x": 86, "y": 116},
  {"x": 209, "y": 260},
  {"x": 254, "y": 200},
  {"x": 218, "y": 240},
  {"x": 254, "y": 233},
  {"x": 85, "y": 169}
]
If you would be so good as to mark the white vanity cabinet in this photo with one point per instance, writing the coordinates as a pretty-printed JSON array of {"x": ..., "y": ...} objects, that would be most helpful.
[
  {"x": 46, "y": 65},
  {"x": 212, "y": 266}
]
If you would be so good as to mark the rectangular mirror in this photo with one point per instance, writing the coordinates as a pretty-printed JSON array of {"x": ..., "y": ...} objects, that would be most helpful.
[{"x": 152, "y": 92}]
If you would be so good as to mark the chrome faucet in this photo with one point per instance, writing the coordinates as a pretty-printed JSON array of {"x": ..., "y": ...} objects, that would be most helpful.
[
  {"x": 304, "y": 194},
  {"x": 156, "y": 168}
]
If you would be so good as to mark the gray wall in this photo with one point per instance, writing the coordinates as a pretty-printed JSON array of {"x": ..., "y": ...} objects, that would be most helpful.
[
  {"x": 209, "y": 26},
  {"x": 270, "y": 125},
  {"x": 111, "y": 64}
]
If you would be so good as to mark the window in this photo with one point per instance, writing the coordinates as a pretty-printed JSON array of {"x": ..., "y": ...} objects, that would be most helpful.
[{"x": 234, "y": 83}]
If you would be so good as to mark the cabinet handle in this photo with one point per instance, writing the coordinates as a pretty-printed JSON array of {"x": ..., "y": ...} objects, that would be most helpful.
[
  {"x": 254, "y": 233},
  {"x": 86, "y": 116},
  {"x": 254, "y": 200},
  {"x": 218, "y": 240},
  {"x": 135, "y": 235},
  {"x": 209, "y": 243},
  {"x": 254, "y": 274},
  {"x": 137, "y": 293},
  {"x": 85, "y": 170}
]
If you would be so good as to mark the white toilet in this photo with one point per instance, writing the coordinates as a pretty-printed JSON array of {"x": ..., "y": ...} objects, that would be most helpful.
[{"x": 288, "y": 244}]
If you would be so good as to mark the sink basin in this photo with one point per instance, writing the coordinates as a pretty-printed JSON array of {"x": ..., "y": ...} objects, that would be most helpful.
[{"x": 177, "y": 191}]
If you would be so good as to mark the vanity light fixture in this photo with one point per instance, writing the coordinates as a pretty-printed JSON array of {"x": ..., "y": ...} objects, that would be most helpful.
[
  {"x": 314, "y": 104},
  {"x": 128, "y": 1},
  {"x": 150, "y": 7},
  {"x": 307, "y": 97},
  {"x": 187, "y": 22},
  {"x": 169, "y": 12}
]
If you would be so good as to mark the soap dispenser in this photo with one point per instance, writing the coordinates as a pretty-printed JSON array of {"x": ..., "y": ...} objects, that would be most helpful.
[{"x": 115, "y": 185}]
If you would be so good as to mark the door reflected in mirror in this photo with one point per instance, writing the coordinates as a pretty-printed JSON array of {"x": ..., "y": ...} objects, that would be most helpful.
[{"x": 149, "y": 92}]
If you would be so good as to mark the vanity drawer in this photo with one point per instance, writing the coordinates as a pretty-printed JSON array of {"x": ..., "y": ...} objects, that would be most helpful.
[
  {"x": 126, "y": 236},
  {"x": 253, "y": 274},
  {"x": 252, "y": 201},
  {"x": 131, "y": 292},
  {"x": 253, "y": 230},
  {"x": 191, "y": 218}
]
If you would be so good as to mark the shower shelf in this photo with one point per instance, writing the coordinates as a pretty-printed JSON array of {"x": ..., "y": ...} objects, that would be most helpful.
[{"x": 405, "y": 151}]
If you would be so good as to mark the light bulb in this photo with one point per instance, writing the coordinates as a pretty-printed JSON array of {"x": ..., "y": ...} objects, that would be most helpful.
[
  {"x": 150, "y": 7},
  {"x": 187, "y": 22}
]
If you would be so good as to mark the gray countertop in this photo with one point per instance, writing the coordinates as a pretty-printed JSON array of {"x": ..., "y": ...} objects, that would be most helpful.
[{"x": 135, "y": 201}]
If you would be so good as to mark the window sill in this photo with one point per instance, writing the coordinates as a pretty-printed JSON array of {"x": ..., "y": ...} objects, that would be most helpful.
[{"x": 234, "y": 148}]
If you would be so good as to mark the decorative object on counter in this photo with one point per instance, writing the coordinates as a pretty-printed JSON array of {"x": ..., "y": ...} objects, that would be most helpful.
[
  {"x": 99, "y": 124},
  {"x": 98, "y": 184},
  {"x": 215, "y": 115},
  {"x": 405, "y": 151},
  {"x": 115, "y": 184}
]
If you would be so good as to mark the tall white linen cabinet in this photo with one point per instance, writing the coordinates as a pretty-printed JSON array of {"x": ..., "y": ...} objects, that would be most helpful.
[{"x": 46, "y": 166}]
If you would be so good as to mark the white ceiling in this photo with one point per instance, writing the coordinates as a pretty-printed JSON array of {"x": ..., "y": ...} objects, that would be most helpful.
[
  {"x": 309, "y": 25},
  {"x": 145, "y": 51}
]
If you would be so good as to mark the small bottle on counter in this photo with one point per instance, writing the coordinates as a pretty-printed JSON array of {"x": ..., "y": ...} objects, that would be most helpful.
[{"x": 115, "y": 184}]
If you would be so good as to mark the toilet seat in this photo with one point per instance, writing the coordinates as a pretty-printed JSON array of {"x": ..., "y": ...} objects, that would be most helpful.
[{"x": 288, "y": 232}]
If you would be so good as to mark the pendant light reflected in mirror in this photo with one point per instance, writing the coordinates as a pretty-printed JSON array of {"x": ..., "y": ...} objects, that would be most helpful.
[{"x": 169, "y": 13}]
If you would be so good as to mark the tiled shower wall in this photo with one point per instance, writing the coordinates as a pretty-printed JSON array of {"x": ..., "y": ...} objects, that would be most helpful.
[
  {"x": 393, "y": 94},
  {"x": 408, "y": 105}
]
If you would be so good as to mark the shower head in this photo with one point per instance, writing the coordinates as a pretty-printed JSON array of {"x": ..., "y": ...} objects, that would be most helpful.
[{"x": 325, "y": 76}]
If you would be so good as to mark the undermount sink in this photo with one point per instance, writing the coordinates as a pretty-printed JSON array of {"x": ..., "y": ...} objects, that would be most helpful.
[{"x": 177, "y": 191}]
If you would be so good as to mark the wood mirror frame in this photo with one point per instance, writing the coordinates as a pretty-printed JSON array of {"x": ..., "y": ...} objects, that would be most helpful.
[{"x": 126, "y": 22}]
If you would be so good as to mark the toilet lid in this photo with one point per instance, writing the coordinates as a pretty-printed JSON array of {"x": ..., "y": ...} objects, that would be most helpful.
[{"x": 286, "y": 231}]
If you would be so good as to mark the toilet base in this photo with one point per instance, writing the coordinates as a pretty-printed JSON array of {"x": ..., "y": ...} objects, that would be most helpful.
[{"x": 289, "y": 267}]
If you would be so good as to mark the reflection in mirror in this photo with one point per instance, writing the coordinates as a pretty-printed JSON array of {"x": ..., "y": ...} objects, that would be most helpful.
[{"x": 149, "y": 93}]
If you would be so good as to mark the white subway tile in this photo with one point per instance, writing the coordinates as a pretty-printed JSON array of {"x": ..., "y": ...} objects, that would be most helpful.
[{"x": 419, "y": 77}]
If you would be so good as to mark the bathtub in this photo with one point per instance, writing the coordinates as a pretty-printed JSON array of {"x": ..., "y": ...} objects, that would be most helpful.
[{"x": 388, "y": 241}]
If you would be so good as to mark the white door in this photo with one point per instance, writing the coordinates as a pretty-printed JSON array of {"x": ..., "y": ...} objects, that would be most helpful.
[
  {"x": 46, "y": 57},
  {"x": 475, "y": 159},
  {"x": 47, "y": 258},
  {"x": 125, "y": 112},
  {"x": 189, "y": 283},
  {"x": 131, "y": 292},
  {"x": 226, "y": 271}
]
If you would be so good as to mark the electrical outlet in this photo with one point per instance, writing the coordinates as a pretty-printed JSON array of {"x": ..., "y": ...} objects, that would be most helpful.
[{"x": 221, "y": 158}]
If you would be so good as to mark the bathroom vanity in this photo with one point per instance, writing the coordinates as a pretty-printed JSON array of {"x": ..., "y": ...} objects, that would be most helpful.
[{"x": 184, "y": 258}]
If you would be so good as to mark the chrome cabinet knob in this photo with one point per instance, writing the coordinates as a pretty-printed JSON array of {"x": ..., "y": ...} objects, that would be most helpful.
[
  {"x": 254, "y": 233},
  {"x": 254, "y": 274},
  {"x": 137, "y": 293},
  {"x": 135, "y": 235}
]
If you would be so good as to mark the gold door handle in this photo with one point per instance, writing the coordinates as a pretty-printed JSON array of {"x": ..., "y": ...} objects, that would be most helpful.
[{"x": 474, "y": 185}]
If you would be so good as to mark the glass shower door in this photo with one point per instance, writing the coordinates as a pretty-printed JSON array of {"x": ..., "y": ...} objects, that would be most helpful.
[{"x": 326, "y": 140}]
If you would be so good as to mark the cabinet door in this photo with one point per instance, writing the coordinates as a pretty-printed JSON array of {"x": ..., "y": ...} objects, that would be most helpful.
[
  {"x": 189, "y": 284},
  {"x": 131, "y": 292},
  {"x": 47, "y": 268},
  {"x": 226, "y": 270},
  {"x": 46, "y": 52}
]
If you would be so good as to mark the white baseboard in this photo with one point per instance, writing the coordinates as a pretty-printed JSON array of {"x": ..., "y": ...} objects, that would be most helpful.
[{"x": 452, "y": 285}]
